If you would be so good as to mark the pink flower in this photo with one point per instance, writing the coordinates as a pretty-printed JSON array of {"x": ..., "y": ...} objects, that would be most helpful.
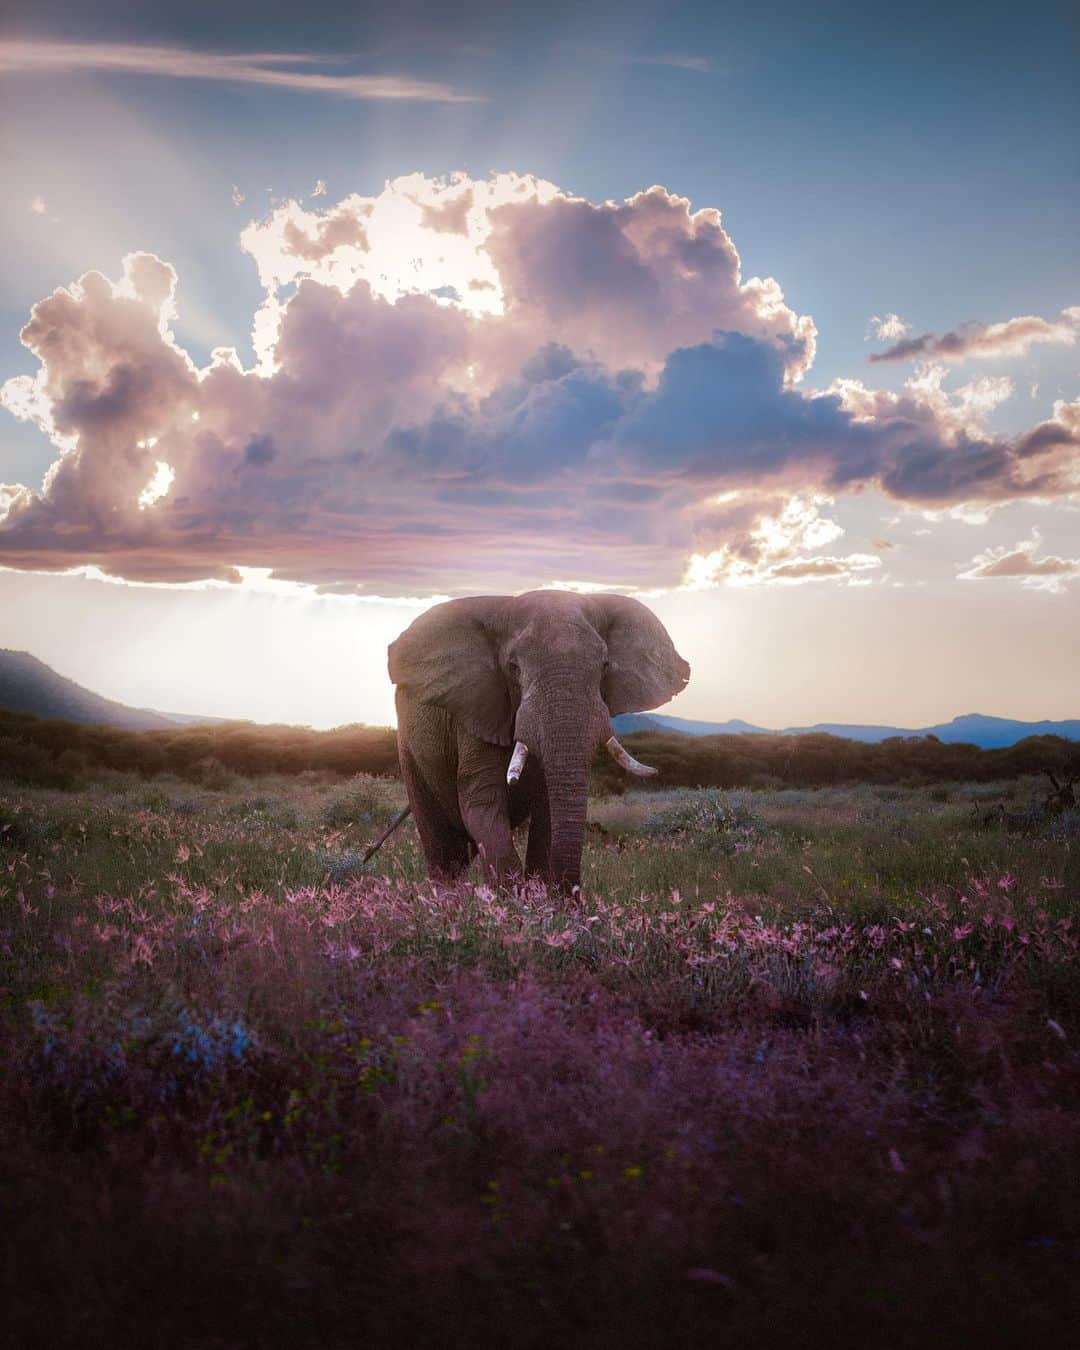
[{"x": 142, "y": 950}]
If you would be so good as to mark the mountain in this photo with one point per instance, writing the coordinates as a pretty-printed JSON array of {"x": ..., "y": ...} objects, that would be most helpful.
[
  {"x": 627, "y": 722},
  {"x": 852, "y": 732},
  {"x": 29, "y": 685},
  {"x": 970, "y": 729},
  {"x": 990, "y": 732}
]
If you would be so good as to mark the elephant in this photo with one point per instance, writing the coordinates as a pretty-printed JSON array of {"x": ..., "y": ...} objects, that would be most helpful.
[{"x": 501, "y": 703}]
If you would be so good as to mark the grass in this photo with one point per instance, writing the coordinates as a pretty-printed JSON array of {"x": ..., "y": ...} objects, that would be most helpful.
[{"x": 794, "y": 1066}]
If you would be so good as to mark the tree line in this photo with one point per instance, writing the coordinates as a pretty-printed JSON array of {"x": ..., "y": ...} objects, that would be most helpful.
[
  {"x": 54, "y": 753},
  {"x": 62, "y": 754},
  {"x": 817, "y": 759}
]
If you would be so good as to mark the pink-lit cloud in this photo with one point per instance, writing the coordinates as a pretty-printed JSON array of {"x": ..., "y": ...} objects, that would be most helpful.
[
  {"x": 850, "y": 567},
  {"x": 43, "y": 56},
  {"x": 1013, "y": 337},
  {"x": 624, "y": 283},
  {"x": 1020, "y": 563},
  {"x": 457, "y": 380},
  {"x": 765, "y": 538},
  {"x": 888, "y": 327}
]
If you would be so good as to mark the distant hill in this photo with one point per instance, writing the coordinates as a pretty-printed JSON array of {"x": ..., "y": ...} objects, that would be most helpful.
[
  {"x": 971, "y": 729},
  {"x": 29, "y": 685},
  {"x": 627, "y": 722}
]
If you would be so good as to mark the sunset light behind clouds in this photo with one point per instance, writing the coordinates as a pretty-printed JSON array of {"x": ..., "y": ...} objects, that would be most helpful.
[{"x": 356, "y": 348}]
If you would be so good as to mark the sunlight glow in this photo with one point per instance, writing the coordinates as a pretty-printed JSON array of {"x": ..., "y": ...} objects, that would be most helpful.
[
  {"x": 158, "y": 486},
  {"x": 419, "y": 236}
]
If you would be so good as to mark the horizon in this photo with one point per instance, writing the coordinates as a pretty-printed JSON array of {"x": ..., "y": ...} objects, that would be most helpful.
[
  {"x": 301, "y": 336},
  {"x": 660, "y": 713}
]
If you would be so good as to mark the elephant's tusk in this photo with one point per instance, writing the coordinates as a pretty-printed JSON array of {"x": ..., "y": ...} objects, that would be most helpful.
[
  {"x": 517, "y": 762},
  {"x": 627, "y": 760}
]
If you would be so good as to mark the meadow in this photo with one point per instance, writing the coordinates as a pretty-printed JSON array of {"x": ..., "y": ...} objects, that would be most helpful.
[{"x": 796, "y": 1066}]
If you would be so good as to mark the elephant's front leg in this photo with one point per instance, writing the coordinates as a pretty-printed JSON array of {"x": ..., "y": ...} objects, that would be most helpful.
[{"x": 484, "y": 805}]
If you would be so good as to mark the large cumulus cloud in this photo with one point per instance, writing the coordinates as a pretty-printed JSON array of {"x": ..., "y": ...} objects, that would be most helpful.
[{"x": 457, "y": 381}]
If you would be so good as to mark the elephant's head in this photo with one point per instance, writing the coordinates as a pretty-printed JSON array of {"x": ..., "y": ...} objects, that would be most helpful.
[{"x": 544, "y": 673}]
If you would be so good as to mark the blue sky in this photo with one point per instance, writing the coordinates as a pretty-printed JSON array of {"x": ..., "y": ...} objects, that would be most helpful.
[
  {"x": 920, "y": 162},
  {"x": 921, "y": 159}
]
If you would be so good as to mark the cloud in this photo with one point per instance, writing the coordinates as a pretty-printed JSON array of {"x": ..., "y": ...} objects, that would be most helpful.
[
  {"x": 821, "y": 569},
  {"x": 449, "y": 217},
  {"x": 625, "y": 283},
  {"x": 765, "y": 541},
  {"x": 528, "y": 386},
  {"x": 1046, "y": 573},
  {"x": 30, "y": 56},
  {"x": 1014, "y": 337},
  {"x": 705, "y": 572},
  {"x": 631, "y": 281},
  {"x": 343, "y": 230},
  {"x": 891, "y": 328},
  {"x": 679, "y": 60},
  {"x": 676, "y": 60}
]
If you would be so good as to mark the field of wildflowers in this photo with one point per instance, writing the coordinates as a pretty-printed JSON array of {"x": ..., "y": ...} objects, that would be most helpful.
[{"x": 795, "y": 1067}]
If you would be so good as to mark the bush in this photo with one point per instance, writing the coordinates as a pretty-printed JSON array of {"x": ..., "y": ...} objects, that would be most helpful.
[
  {"x": 714, "y": 817},
  {"x": 25, "y": 762},
  {"x": 211, "y": 773},
  {"x": 363, "y": 802}
]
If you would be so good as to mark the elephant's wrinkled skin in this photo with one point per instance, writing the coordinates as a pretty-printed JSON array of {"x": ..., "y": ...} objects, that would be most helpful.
[{"x": 548, "y": 669}]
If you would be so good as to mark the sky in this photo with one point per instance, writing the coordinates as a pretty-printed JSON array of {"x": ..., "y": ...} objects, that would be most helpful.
[{"x": 313, "y": 316}]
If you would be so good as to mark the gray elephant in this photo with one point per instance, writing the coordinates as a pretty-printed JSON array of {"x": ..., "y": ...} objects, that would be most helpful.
[{"x": 501, "y": 704}]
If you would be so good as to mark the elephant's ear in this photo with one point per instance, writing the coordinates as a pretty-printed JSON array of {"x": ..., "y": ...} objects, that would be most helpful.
[
  {"x": 644, "y": 669},
  {"x": 449, "y": 657}
]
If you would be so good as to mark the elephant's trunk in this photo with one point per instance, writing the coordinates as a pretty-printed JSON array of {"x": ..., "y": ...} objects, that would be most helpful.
[
  {"x": 567, "y": 801},
  {"x": 567, "y": 745}
]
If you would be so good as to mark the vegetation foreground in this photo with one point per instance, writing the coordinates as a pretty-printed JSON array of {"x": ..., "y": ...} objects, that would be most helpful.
[{"x": 795, "y": 1065}]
